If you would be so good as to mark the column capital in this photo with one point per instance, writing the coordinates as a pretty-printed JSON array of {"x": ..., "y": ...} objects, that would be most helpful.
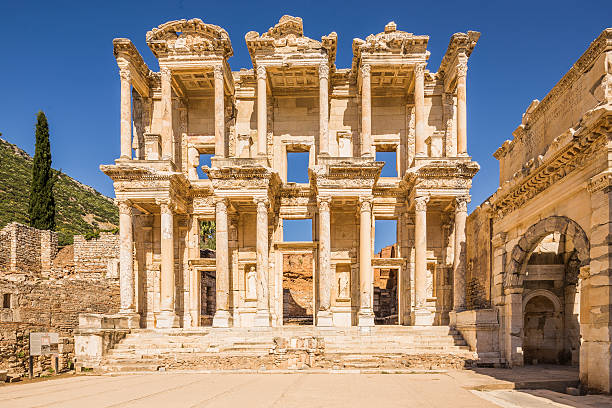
[
  {"x": 365, "y": 70},
  {"x": 420, "y": 203},
  {"x": 165, "y": 204},
  {"x": 324, "y": 202},
  {"x": 125, "y": 74},
  {"x": 125, "y": 207},
  {"x": 419, "y": 69},
  {"x": 462, "y": 68},
  {"x": 323, "y": 71},
  {"x": 166, "y": 73},
  {"x": 261, "y": 202},
  {"x": 461, "y": 203},
  {"x": 221, "y": 203},
  {"x": 218, "y": 71},
  {"x": 261, "y": 72},
  {"x": 365, "y": 203}
]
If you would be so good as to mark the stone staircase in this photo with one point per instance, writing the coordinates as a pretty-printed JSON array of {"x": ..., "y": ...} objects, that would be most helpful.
[{"x": 290, "y": 347}]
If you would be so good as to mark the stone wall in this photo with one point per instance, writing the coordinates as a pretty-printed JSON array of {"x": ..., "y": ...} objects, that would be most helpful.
[
  {"x": 478, "y": 258},
  {"x": 98, "y": 256},
  {"x": 24, "y": 248}
]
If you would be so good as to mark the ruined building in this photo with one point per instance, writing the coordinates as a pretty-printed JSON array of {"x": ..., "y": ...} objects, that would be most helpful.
[{"x": 293, "y": 100}]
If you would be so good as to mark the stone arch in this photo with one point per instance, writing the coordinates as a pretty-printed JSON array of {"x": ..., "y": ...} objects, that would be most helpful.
[
  {"x": 544, "y": 293},
  {"x": 515, "y": 272}
]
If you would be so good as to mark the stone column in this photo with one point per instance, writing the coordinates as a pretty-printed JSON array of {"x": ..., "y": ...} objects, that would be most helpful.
[
  {"x": 513, "y": 320},
  {"x": 167, "y": 317},
  {"x": 422, "y": 315},
  {"x": 194, "y": 273},
  {"x": 324, "y": 315},
  {"x": 219, "y": 112},
  {"x": 126, "y": 257},
  {"x": 262, "y": 131},
  {"x": 459, "y": 258},
  {"x": 366, "y": 111},
  {"x": 366, "y": 276},
  {"x": 222, "y": 316},
  {"x": 323, "y": 109},
  {"x": 126, "y": 113},
  {"x": 262, "y": 318},
  {"x": 166, "y": 100},
  {"x": 419, "y": 109},
  {"x": 461, "y": 109}
]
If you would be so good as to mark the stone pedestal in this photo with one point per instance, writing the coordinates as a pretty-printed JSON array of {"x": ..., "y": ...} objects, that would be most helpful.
[
  {"x": 366, "y": 319},
  {"x": 166, "y": 320},
  {"x": 423, "y": 317},
  {"x": 325, "y": 319},
  {"x": 222, "y": 318},
  {"x": 262, "y": 318}
]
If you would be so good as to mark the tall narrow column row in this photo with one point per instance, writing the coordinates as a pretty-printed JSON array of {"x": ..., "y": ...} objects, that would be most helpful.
[
  {"x": 126, "y": 257},
  {"x": 366, "y": 276},
  {"x": 324, "y": 315},
  {"x": 262, "y": 125},
  {"x": 461, "y": 109},
  {"x": 323, "y": 109},
  {"x": 459, "y": 258},
  {"x": 166, "y": 101},
  {"x": 419, "y": 109},
  {"x": 126, "y": 113},
  {"x": 366, "y": 111},
  {"x": 262, "y": 317},
  {"x": 219, "y": 112},
  {"x": 422, "y": 316},
  {"x": 222, "y": 316},
  {"x": 167, "y": 317}
]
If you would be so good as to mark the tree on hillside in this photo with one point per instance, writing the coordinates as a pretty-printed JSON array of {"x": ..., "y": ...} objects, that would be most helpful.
[{"x": 42, "y": 203}]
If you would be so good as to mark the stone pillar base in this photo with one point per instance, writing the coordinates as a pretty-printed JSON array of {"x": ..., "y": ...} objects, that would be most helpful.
[
  {"x": 262, "y": 318},
  {"x": 366, "y": 318},
  {"x": 222, "y": 318},
  {"x": 423, "y": 317},
  {"x": 325, "y": 319},
  {"x": 167, "y": 320},
  {"x": 452, "y": 317},
  {"x": 132, "y": 318}
]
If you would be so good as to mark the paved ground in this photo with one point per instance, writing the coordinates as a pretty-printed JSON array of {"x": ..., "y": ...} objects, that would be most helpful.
[{"x": 454, "y": 388}]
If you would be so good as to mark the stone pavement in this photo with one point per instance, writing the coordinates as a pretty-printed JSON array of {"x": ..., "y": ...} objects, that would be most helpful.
[{"x": 452, "y": 388}]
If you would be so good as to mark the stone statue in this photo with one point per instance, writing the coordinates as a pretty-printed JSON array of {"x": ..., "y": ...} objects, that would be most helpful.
[
  {"x": 343, "y": 286},
  {"x": 251, "y": 283}
]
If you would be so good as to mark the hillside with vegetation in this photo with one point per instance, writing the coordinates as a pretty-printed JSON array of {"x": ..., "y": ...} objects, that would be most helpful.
[{"x": 79, "y": 208}]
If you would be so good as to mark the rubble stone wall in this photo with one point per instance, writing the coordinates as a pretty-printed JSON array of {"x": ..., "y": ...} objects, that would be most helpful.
[
  {"x": 478, "y": 258},
  {"x": 26, "y": 248},
  {"x": 98, "y": 256}
]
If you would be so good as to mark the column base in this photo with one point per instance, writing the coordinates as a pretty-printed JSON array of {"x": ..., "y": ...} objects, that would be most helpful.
[
  {"x": 325, "y": 319},
  {"x": 366, "y": 318},
  {"x": 262, "y": 318},
  {"x": 423, "y": 317},
  {"x": 132, "y": 319},
  {"x": 167, "y": 320},
  {"x": 222, "y": 318}
]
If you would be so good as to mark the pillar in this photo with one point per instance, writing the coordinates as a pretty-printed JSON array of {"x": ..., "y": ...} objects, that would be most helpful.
[
  {"x": 366, "y": 276},
  {"x": 222, "y": 316},
  {"x": 194, "y": 273},
  {"x": 461, "y": 109},
  {"x": 219, "y": 112},
  {"x": 366, "y": 111},
  {"x": 262, "y": 317},
  {"x": 513, "y": 322},
  {"x": 166, "y": 101},
  {"x": 262, "y": 131},
  {"x": 419, "y": 109},
  {"x": 323, "y": 109},
  {"x": 324, "y": 315},
  {"x": 422, "y": 316},
  {"x": 126, "y": 257},
  {"x": 459, "y": 258},
  {"x": 167, "y": 317},
  {"x": 126, "y": 113}
]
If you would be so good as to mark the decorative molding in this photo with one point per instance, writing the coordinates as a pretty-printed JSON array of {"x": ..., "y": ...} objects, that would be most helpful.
[
  {"x": 365, "y": 203},
  {"x": 261, "y": 72},
  {"x": 323, "y": 71},
  {"x": 125, "y": 74},
  {"x": 420, "y": 203},
  {"x": 461, "y": 204},
  {"x": 462, "y": 69}
]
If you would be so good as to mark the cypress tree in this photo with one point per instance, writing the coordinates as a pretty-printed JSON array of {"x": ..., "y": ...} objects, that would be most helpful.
[{"x": 42, "y": 203}]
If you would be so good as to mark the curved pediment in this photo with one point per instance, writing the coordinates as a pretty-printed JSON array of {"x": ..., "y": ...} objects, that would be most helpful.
[{"x": 189, "y": 37}]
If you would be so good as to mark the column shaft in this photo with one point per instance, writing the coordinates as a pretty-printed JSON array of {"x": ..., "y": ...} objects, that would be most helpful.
[
  {"x": 263, "y": 305},
  {"x": 126, "y": 113},
  {"x": 166, "y": 99},
  {"x": 219, "y": 112},
  {"x": 459, "y": 261},
  {"x": 222, "y": 314},
  {"x": 366, "y": 111},
  {"x": 366, "y": 276},
  {"x": 461, "y": 109},
  {"x": 126, "y": 258},
  {"x": 323, "y": 109},
  {"x": 324, "y": 317},
  {"x": 419, "y": 109},
  {"x": 262, "y": 131},
  {"x": 167, "y": 258},
  {"x": 420, "y": 246}
]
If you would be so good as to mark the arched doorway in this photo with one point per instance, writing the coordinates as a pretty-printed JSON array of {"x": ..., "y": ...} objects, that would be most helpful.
[{"x": 543, "y": 329}]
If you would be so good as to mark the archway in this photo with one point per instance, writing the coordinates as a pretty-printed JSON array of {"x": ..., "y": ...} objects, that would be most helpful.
[{"x": 543, "y": 328}]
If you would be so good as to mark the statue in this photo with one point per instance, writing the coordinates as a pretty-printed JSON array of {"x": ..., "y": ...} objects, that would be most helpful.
[
  {"x": 343, "y": 286},
  {"x": 251, "y": 283}
]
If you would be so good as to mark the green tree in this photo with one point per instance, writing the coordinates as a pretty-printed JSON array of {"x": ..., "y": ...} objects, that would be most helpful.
[
  {"x": 41, "y": 209},
  {"x": 207, "y": 235}
]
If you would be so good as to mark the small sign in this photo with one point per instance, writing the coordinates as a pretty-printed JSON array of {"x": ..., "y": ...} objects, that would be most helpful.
[{"x": 44, "y": 344}]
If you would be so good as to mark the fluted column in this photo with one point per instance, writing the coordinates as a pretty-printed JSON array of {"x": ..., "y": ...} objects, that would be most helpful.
[
  {"x": 126, "y": 113},
  {"x": 419, "y": 109},
  {"x": 262, "y": 131},
  {"x": 324, "y": 315},
  {"x": 222, "y": 316},
  {"x": 166, "y": 101},
  {"x": 459, "y": 261},
  {"x": 366, "y": 111},
  {"x": 461, "y": 109},
  {"x": 422, "y": 315},
  {"x": 126, "y": 257},
  {"x": 323, "y": 109},
  {"x": 219, "y": 112},
  {"x": 366, "y": 276},
  {"x": 167, "y": 317},
  {"x": 262, "y": 317}
]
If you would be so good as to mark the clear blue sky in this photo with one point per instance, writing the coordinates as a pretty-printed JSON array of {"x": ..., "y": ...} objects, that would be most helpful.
[{"x": 57, "y": 56}]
